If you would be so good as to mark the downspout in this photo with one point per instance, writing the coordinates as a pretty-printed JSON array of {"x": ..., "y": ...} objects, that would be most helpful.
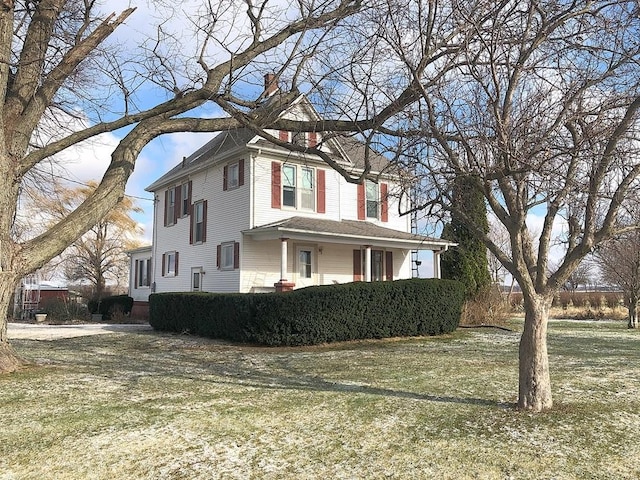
[{"x": 154, "y": 244}]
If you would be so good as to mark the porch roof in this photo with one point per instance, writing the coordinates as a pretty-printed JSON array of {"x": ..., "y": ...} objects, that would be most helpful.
[{"x": 352, "y": 232}]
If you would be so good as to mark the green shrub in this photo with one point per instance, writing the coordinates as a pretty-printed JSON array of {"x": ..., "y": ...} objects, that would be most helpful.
[
  {"x": 122, "y": 304},
  {"x": 314, "y": 315},
  {"x": 63, "y": 310}
]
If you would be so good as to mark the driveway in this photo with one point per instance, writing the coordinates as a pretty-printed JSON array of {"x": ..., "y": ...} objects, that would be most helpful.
[{"x": 32, "y": 331}]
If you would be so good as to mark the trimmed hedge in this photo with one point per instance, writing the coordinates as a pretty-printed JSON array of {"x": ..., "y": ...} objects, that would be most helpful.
[
  {"x": 108, "y": 305},
  {"x": 313, "y": 315}
]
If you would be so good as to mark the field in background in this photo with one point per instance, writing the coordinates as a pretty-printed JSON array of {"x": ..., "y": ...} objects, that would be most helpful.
[
  {"x": 580, "y": 305},
  {"x": 155, "y": 406}
]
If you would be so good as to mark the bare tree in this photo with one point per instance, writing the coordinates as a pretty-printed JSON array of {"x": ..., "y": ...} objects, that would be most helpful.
[
  {"x": 580, "y": 276},
  {"x": 99, "y": 255},
  {"x": 537, "y": 99},
  {"x": 619, "y": 264},
  {"x": 55, "y": 54}
]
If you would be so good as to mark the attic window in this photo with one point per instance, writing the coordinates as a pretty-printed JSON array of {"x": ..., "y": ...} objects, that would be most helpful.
[{"x": 299, "y": 138}]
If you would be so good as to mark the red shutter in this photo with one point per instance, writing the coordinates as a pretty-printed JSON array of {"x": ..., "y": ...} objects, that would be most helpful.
[
  {"x": 178, "y": 205},
  {"x": 361, "y": 202},
  {"x": 384, "y": 204},
  {"x": 357, "y": 266},
  {"x": 176, "y": 270},
  {"x": 389, "y": 265},
  {"x": 135, "y": 275},
  {"x": 241, "y": 172},
  {"x": 166, "y": 206},
  {"x": 204, "y": 221},
  {"x": 321, "y": 192},
  {"x": 188, "y": 212},
  {"x": 191, "y": 224},
  {"x": 218, "y": 253},
  {"x": 176, "y": 210},
  {"x": 225, "y": 174},
  {"x": 313, "y": 139},
  {"x": 164, "y": 259},
  {"x": 236, "y": 255},
  {"x": 275, "y": 185},
  {"x": 284, "y": 136}
]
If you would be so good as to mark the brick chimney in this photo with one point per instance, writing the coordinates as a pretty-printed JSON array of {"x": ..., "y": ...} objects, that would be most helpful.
[{"x": 270, "y": 84}]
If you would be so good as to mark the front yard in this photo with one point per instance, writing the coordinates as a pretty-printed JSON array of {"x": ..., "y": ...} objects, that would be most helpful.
[{"x": 156, "y": 406}]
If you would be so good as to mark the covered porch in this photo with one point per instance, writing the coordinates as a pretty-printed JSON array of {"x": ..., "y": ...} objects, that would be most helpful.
[{"x": 317, "y": 251}]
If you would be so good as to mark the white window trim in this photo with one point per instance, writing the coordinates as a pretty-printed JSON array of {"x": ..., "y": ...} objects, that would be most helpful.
[
  {"x": 366, "y": 200},
  {"x": 299, "y": 169},
  {"x": 230, "y": 167},
  {"x": 195, "y": 222},
  {"x": 223, "y": 247},
  {"x": 143, "y": 266},
  {"x": 184, "y": 189},
  {"x": 168, "y": 255},
  {"x": 199, "y": 271},
  {"x": 171, "y": 211}
]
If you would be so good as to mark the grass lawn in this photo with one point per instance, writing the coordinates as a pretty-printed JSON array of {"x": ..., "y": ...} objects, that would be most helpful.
[{"x": 158, "y": 406}]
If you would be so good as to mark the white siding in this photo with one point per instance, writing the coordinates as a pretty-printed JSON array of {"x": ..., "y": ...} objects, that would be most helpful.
[
  {"x": 227, "y": 216},
  {"x": 138, "y": 293},
  {"x": 265, "y": 214},
  {"x": 333, "y": 263}
]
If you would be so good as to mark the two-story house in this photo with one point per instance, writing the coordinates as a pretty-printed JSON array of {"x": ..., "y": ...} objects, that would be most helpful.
[{"x": 242, "y": 214}]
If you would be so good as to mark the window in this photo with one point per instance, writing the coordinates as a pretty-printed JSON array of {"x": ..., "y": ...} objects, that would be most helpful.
[
  {"x": 299, "y": 138},
  {"x": 304, "y": 263},
  {"x": 381, "y": 266},
  {"x": 170, "y": 264},
  {"x": 196, "y": 279},
  {"x": 372, "y": 199},
  {"x": 143, "y": 273},
  {"x": 233, "y": 175},
  {"x": 289, "y": 186},
  {"x": 186, "y": 199},
  {"x": 307, "y": 194},
  {"x": 228, "y": 259},
  {"x": 170, "y": 207},
  {"x": 198, "y": 222},
  {"x": 298, "y": 192}
]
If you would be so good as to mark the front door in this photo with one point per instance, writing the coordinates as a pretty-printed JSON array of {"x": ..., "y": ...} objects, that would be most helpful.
[
  {"x": 377, "y": 265},
  {"x": 305, "y": 268}
]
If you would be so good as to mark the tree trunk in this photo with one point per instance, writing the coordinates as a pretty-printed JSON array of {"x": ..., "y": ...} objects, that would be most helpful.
[
  {"x": 9, "y": 360},
  {"x": 534, "y": 381},
  {"x": 633, "y": 313}
]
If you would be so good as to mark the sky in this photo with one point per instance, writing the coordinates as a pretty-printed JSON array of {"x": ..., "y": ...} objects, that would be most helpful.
[{"x": 166, "y": 151}]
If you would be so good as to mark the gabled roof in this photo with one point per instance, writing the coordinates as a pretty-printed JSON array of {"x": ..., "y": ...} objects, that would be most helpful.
[
  {"x": 223, "y": 142},
  {"x": 347, "y": 151},
  {"x": 353, "y": 232}
]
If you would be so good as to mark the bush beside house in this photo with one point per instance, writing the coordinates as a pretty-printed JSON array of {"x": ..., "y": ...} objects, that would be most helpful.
[
  {"x": 113, "y": 305},
  {"x": 313, "y": 315}
]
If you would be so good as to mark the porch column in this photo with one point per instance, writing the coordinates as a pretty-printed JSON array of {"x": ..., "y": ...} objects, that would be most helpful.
[
  {"x": 437, "y": 272},
  {"x": 283, "y": 285},
  {"x": 283, "y": 259},
  {"x": 436, "y": 264},
  {"x": 367, "y": 263}
]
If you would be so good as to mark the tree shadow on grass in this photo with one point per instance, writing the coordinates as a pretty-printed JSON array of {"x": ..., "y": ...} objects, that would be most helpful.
[{"x": 216, "y": 363}]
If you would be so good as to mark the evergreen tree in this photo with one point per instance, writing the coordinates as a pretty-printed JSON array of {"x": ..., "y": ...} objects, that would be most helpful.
[{"x": 467, "y": 262}]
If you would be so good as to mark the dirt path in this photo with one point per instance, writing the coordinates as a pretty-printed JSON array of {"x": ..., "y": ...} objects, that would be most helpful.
[{"x": 32, "y": 331}]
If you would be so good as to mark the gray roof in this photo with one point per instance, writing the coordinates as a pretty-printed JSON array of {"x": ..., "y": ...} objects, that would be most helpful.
[
  {"x": 349, "y": 231},
  {"x": 221, "y": 143},
  {"x": 348, "y": 152}
]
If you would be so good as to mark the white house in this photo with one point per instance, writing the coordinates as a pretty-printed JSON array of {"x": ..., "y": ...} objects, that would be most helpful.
[{"x": 242, "y": 214}]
